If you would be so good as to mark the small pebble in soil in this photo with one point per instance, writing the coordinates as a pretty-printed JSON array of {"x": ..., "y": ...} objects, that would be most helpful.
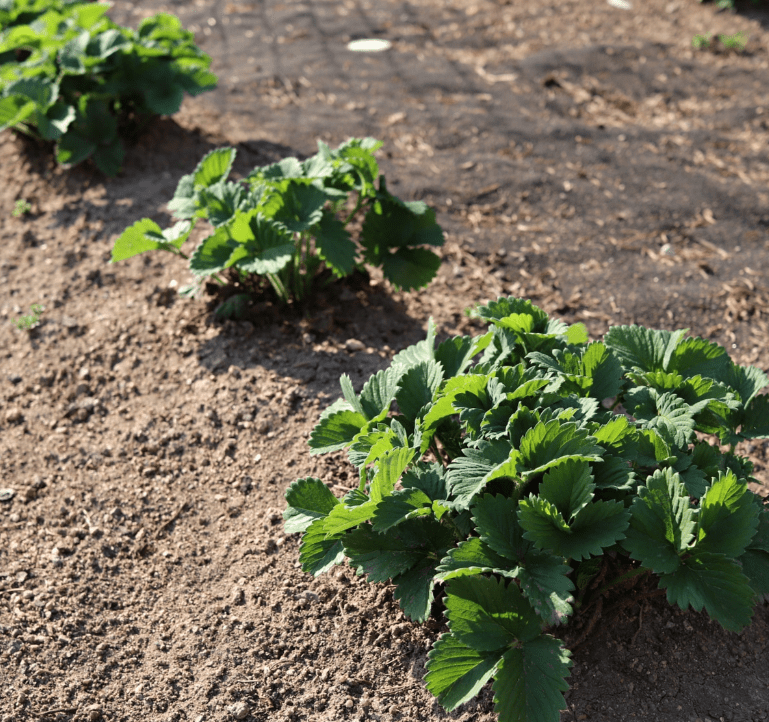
[
  {"x": 13, "y": 415},
  {"x": 353, "y": 344},
  {"x": 240, "y": 710}
]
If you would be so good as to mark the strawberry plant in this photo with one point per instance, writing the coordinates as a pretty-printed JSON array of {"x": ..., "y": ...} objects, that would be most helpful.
[
  {"x": 68, "y": 74},
  {"x": 287, "y": 223},
  {"x": 524, "y": 472}
]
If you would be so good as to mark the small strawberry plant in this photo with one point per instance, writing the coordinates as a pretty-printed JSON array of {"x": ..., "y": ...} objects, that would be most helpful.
[
  {"x": 525, "y": 472},
  {"x": 68, "y": 74},
  {"x": 287, "y": 224}
]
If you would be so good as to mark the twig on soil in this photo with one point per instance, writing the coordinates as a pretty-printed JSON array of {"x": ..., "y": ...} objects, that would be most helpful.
[
  {"x": 640, "y": 624},
  {"x": 173, "y": 518},
  {"x": 590, "y": 625},
  {"x": 57, "y": 710}
]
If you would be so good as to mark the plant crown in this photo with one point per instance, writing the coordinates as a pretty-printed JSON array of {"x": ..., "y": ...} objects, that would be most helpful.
[
  {"x": 518, "y": 481},
  {"x": 287, "y": 222},
  {"x": 69, "y": 74}
]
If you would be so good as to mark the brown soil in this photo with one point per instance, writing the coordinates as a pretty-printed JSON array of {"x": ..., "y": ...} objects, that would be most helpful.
[{"x": 578, "y": 154}]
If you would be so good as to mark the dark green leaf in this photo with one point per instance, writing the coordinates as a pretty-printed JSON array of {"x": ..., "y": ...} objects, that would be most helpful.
[
  {"x": 414, "y": 590},
  {"x": 319, "y": 551},
  {"x": 728, "y": 517},
  {"x": 715, "y": 582},
  {"x": 417, "y": 387},
  {"x": 335, "y": 246},
  {"x": 530, "y": 680},
  {"x": 661, "y": 524},
  {"x": 410, "y": 268},
  {"x": 456, "y": 672},
  {"x": 487, "y": 614},
  {"x": 336, "y": 431},
  {"x": 307, "y": 499}
]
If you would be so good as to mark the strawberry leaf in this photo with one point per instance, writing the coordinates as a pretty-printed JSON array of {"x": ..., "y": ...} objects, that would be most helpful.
[
  {"x": 728, "y": 517},
  {"x": 530, "y": 681},
  {"x": 715, "y": 582},
  {"x": 307, "y": 499},
  {"x": 661, "y": 524},
  {"x": 320, "y": 551},
  {"x": 487, "y": 614},
  {"x": 457, "y": 672}
]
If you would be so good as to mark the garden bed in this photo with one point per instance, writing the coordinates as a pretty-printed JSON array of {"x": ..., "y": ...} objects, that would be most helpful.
[{"x": 580, "y": 155}]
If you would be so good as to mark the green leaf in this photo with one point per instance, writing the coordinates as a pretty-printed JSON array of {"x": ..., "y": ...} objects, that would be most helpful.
[
  {"x": 183, "y": 205},
  {"x": 417, "y": 387},
  {"x": 379, "y": 391},
  {"x": 457, "y": 672},
  {"x": 496, "y": 522},
  {"x": 698, "y": 357},
  {"x": 666, "y": 413},
  {"x": 474, "y": 556},
  {"x": 604, "y": 370},
  {"x": 553, "y": 442},
  {"x": 455, "y": 354},
  {"x": 614, "y": 473},
  {"x": 755, "y": 566},
  {"x": 401, "y": 505},
  {"x": 747, "y": 381},
  {"x": 410, "y": 268},
  {"x": 511, "y": 309},
  {"x": 319, "y": 552},
  {"x": 144, "y": 235},
  {"x": 487, "y": 614},
  {"x": 431, "y": 479},
  {"x": 728, "y": 517},
  {"x": 391, "y": 465},
  {"x": 267, "y": 246},
  {"x": 14, "y": 110},
  {"x": 336, "y": 431},
  {"x": 109, "y": 158},
  {"x": 307, "y": 499},
  {"x": 468, "y": 474},
  {"x": 73, "y": 148},
  {"x": 597, "y": 526},
  {"x": 214, "y": 167},
  {"x": 715, "y": 582},
  {"x": 414, "y": 591},
  {"x": 381, "y": 556},
  {"x": 213, "y": 253},
  {"x": 55, "y": 122},
  {"x": 530, "y": 681},
  {"x": 302, "y": 206},
  {"x": 335, "y": 246},
  {"x": 219, "y": 202},
  {"x": 71, "y": 56},
  {"x": 343, "y": 517},
  {"x": 108, "y": 43},
  {"x": 349, "y": 393},
  {"x": 661, "y": 523},
  {"x": 755, "y": 419},
  {"x": 568, "y": 486},
  {"x": 642, "y": 348}
]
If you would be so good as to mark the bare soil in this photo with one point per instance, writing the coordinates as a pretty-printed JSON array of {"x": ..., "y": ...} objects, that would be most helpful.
[{"x": 578, "y": 154}]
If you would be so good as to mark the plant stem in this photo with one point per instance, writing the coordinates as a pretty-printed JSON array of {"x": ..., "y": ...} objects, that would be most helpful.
[
  {"x": 358, "y": 206},
  {"x": 628, "y": 575}
]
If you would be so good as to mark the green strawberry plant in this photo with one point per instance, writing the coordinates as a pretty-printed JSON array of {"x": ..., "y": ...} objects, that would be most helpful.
[
  {"x": 510, "y": 470},
  {"x": 69, "y": 74},
  {"x": 287, "y": 223}
]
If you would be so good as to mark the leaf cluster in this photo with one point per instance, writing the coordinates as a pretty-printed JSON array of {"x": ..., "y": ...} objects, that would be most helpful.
[
  {"x": 69, "y": 74},
  {"x": 505, "y": 470},
  {"x": 289, "y": 222}
]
